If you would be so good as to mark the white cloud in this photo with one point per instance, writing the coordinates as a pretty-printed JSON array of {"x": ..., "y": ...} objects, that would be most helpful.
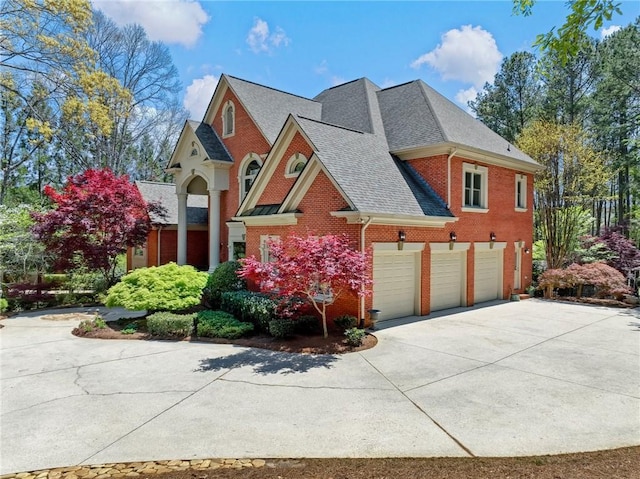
[
  {"x": 322, "y": 68},
  {"x": 198, "y": 95},
  {"x": 261, "y": 40},
  {"x": 388, "y": 83},
  {"x": 469, "y": 54},
  {"x": 465, "y": 96},
  {"x": 605, "y": 32},
  {"x": 169, "y": 21},
  {"x": 337, "y": 80}
]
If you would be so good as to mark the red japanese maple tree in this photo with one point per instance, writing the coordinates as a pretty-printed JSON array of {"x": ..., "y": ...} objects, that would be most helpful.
[
  {"x": 96, "y": 216},
  {"x": 320, "y": 268}
]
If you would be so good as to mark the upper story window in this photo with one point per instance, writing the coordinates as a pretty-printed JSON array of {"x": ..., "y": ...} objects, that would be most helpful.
[
  {"x": 295, "y": 165},
  {"x": 228, "y": 119},
  {"x": 249, "y": 168},
  {"x": 475, "y": 188},
  {"x": 521, "y": 193}
]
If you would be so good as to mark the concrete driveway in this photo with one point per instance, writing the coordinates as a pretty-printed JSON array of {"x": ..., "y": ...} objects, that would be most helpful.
[{"x": 522, "y": 378}]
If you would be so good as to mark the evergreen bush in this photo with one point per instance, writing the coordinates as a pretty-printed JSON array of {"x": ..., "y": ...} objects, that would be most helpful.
[
  {"x": 159, "y": 288},
  {"x": 170, "y": 325},
  {"x": 222, "y": 280}
]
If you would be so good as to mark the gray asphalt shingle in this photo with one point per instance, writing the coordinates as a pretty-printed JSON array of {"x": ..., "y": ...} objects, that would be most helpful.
[
  {"x": 164, "y": 194},
  {"x": 270, "y": 108},
  {"x": 211, "y": 142}
]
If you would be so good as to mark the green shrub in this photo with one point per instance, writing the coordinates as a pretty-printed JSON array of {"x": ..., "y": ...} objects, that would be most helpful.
[
  {"x": 307, "y": 324},
  {"x": 170, "y": 325},
  {"x": 163, "y": 288},
  {"x": 130, "y": 328},
  {"x": 256, "y": 308},
  {"x": 223, "y": 279},
  {"x": 4, "y": 305},
  {"x": 218, "y": 324},
  {"x": 281, "y": 328},
  {"x": 345, "y": 322},
  {"x": 355, "y": 336}
]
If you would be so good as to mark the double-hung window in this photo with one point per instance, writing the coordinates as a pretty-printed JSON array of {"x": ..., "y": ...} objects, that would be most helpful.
[{"x": 475, "y": 188}]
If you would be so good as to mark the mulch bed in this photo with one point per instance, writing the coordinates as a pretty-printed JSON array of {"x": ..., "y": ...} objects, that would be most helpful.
[
  {"x": 316, "y": 344},
  {"x": 612, "y": 303}
]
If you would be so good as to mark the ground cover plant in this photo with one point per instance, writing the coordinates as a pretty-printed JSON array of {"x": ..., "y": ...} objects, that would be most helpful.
[{"x": 218, "y": 324}]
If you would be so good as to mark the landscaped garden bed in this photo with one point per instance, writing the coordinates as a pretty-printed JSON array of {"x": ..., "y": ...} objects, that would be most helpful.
[{"x": 307, "y": 344}]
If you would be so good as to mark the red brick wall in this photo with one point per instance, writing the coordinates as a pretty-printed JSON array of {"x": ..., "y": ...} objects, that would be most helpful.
[
  {"x": 279, "y": 186},
  {"x": 247, "y": 139}
]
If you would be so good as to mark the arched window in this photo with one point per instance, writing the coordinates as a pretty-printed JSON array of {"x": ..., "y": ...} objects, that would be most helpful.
[
  {"x": 228, "y": 119},
  {"x": 295, "y": 165},
  {"x": 249, "y": 169}
]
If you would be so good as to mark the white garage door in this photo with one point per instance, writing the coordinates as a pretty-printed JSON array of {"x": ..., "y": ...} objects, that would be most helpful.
[
  {"x": 447, "y": 279},
  {"x": 487, "y": 275},
  {"x": 394, "y": 284}
]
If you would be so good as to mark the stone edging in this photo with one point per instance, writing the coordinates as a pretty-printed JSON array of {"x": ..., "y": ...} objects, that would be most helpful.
[{"x": 135, "y": 469}]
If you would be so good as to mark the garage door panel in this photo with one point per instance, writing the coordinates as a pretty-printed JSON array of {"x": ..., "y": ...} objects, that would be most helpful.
[
  {"x": 487, "y": 270},
  {"x": 446, "y": 280},
  {"x": 394, "y": 284}
]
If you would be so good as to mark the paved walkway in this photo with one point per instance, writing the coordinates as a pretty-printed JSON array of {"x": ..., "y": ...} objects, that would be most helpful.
[{"x": 521, "y": 378}]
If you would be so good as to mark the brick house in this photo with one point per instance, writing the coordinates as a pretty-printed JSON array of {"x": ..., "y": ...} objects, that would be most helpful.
[
  {"x": 442, "y": 202},
  {"x": 162, "y": 242}
]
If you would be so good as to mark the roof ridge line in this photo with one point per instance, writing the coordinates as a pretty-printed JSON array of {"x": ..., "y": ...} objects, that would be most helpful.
[
  {"x": 421, "y": 85},
  {"x": 333, "y": 125},
  {"x": 273, "y": 89}
]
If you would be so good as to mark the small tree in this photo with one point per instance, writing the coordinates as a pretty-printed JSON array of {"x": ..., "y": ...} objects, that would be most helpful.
[
  {"x": 318, "y": 268},
  {"x": 96, "y": 217}
]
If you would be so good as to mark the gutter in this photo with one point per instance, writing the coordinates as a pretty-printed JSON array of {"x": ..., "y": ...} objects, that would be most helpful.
[
  {"x": 362, "y": 247},
  {"x": 453, "y": 152}
]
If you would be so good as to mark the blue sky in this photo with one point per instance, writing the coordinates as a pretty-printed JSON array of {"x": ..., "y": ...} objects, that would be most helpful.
[{"x": 306, "y": 47}]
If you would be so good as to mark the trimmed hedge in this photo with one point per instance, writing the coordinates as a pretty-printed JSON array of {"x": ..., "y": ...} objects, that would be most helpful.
[
  {"x": 307, "y": 324},
  {"x": 218, "y": 324},
  {"x": 281, "y": 328},
  {"x": 170, "y": 325},
  {"x": 256, "y": 308},
  {"x": 345, "y": 322}
]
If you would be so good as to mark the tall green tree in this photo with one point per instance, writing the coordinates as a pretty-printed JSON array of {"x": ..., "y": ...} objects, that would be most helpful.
[
  {"x": 616, "y": 118},
  {"x": 573, "y": 175},
  {"x": 565, "y": 40},
  {"x": 513, "y": 100}
]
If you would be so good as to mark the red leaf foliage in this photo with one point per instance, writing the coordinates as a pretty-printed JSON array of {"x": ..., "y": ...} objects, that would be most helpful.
[
  {"x": 96, "y": 216},
  {"x": 608, "y": 281},
  {"x": 320, "y": 268}
]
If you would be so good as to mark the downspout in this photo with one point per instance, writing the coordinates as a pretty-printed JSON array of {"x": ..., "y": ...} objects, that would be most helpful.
[
  {"x": 362, "y": 247},
  {"x": 453, "y": 152}
]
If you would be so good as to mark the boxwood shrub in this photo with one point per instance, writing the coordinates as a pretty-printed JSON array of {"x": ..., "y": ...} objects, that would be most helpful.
[
  {"x": 170, "y": 325},
  {"x": 281, "y": 328},
  {"x": 345, "y": 322},
  {"x": 219, "y": 324},
  {"x": 248, "y": 306}
]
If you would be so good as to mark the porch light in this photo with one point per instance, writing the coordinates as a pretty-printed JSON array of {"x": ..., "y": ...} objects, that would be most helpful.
[
  {"x": 452, "y": 239},
  {"x": 492, "y": 239},
  {"x": 401, "y": 237}
]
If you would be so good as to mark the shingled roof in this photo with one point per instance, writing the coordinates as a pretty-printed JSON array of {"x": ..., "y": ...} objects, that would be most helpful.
[
  {"x": 416, "y": 115},
  {"x": 164, "y": 194},
  {"x": 362, "y": 167},
  {"x": 211, "y": 142},
  {"x": 270, "y": 108}
]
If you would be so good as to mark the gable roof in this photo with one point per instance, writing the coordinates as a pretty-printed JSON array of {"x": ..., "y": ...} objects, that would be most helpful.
[
  {"x": 362, "y": 167},
  {"x": 164, "y": 194},
  {"x": 269, "y": 107},
  {"x": 416, "y": 115},
  {"x": 210, "y": 141}
]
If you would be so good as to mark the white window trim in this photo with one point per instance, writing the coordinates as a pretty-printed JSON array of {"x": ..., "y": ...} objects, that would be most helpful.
[
  {"x": 293, "y": 161},
  {"x": 523, "y": 180},
  {"x": 241, "y": 176},
  {"x": 225, "y": 107},
  {"x": 264, "y": 250},
  {"x": 484, "y": 187}
]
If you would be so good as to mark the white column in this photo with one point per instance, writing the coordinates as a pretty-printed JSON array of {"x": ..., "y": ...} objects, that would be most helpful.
[
  {"x": 214, "y": 229},
  {"x": 182, "y": 228}
]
